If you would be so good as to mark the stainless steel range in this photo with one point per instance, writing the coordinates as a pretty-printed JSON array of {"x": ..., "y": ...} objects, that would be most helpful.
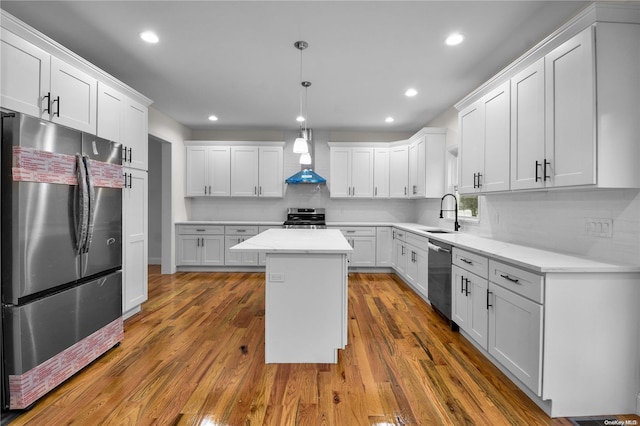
[{"x": 305, "y": 218}]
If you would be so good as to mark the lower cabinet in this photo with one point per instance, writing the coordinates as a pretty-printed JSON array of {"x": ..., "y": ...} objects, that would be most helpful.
[
  {"x": 235, "y": 235},
  {"x": 384, "y": 246},
  {"x": 363, "y": 241},
  {"x": 135, "y": 239},
  {"x": 417, "y": 272},
  {"x": 200, "y": 245},
  {"x": 399, "y": 258},
  {"x": 469, "y": 304}
]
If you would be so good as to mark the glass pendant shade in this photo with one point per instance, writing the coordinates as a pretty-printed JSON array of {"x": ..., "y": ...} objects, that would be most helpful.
[
  {"x": 300, "y": 146},
  {"x": 305, "y": 158}
]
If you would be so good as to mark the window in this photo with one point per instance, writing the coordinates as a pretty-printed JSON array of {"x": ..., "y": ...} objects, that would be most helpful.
[{"x": 467, "y": 204}]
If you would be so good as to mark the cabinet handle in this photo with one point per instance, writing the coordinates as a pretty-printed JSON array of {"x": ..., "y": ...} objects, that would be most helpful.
[
  {"x": 405, "y": 190},
  {"x": 415, "y": 189},
  {"x": 537, "y": 165},
  {"x": 198, "y": 242},
  {"x": 124, "y": 154},
  {"x": 402, "y": 252},
  {"x": 209, "y": 189},
  {"x": 260, "y": 190},
  {"x": 353, "y": 193},
  {"x": 241, "y": 230},
  {"x": 203, "y": 242},
  {"x": 508, "y": 278},
  {"x": 48, "y": 98},
  {"x": 479, "y": 176},
  {"x": 467, "y": 261},
  {"x": 200, "y": 230},
  {"x": 475, "y": 176},
  {"x": 130, "y": 154},
  {"x": 375, "y": 191},
  {"x": 546, "y": 163},
  {"x": 488, "y": 293},
  {"x": 466, "y": 287},
  {"x": 57, "y": 113}
]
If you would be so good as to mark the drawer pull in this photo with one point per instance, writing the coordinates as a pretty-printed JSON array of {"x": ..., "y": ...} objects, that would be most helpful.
[
  {"x": 200, "y": 230},
  {"x": 241, "y": 230},
  {"x": 508, "y": 278},
  {"x": 467, "y": 261},
  {"x": 350, "y": 232}
]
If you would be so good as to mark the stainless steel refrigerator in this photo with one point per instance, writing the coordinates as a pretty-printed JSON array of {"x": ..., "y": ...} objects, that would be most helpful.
[{"x": 61, "y": 254}]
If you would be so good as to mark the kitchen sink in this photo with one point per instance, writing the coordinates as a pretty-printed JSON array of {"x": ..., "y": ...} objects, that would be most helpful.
[{"x": 436, "y": 231}]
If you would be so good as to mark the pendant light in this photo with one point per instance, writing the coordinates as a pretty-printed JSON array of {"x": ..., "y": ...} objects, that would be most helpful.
[{"x": 300, "y": 145}]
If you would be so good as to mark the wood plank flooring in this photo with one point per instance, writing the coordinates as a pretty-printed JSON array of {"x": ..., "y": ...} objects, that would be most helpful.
[{"x": 195, "y": 356}]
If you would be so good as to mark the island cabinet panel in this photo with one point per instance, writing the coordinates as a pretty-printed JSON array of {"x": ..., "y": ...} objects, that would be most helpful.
[{"x": 306, "y": 307}]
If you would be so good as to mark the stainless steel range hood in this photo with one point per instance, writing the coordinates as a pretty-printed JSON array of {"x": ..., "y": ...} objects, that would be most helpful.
[{"x": 307, "y": 175}]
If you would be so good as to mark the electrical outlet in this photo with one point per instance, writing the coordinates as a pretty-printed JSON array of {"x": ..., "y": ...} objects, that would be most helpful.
[{"x": 598, "y": 227}]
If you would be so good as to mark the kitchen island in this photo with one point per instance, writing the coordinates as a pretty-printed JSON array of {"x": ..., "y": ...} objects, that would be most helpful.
[{"x": 306, "y": 293}]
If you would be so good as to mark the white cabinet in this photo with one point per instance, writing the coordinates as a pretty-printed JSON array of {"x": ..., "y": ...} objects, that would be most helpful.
[
  {"x": 235, "y": 235},
  {"x": 514, "y": 301},
  {"x": 485, "y": 142},
  {"x": 257, "y": 171},
  {"x": 200, "y": 245},
  {"x": 208, "y": 171},
  {"x": 427, "y": 163},
  {"x": 384, "y": 246},
  {"x": 24, "y": 76},
  {"x": 398, "y": 171},
  {"x": 400, "y": 253},
  {"x": 363, "y": 241},
  {"x": 72, "y": 99},
  {"x": 111, "y": 109},
  {"x": 417, "y": 269},
  {"x": 381, "y": 172},
  {"x": 135, "y": 238},
  {"x": 351, "y": 171},
  {"x": 468, "y": 303},
  {"x": 37, "y": 83}
]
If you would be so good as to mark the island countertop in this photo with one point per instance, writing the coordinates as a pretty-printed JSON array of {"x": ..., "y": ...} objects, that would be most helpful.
[{"x": 296, "y": 241}]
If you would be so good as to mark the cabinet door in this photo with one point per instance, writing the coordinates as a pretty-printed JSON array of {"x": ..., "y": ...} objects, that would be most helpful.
[
  {"x": 515, "y": 335},
  {"x": 231, "y": 257},
  {"x": 570, "y": 112},
  {"x": 188, "y": 252},
  {"x": 459, "y": 309},
  {"x": 135, "y": 251},
  {"x": 400, "y": 255},
  {"x": 244, "y": 171},
  {"x": 527, "y": 127},
  {"x": 271, "y": 175},
  {"x": 384, "y": 246},
  {"x": 111, "y": 105},
  {"x": 212, "y": 249},
  {"x": 218, "y": 171},
  {"x": 196, "y": 180},
  {"x": 477, "y": 313},
  {"x": 416, "y": 149},
  {"x": 73, "y": 94},
  {"x": 24, "y": 75},
  {"x": 471, "y": 122},
  {"x": 381, "y": 173},
  {"x": 364, "y": 251},
  {"x": 416, "y": 272},
  {"x": 497, "y": 138},
  {"x": 398, "y": 171},
  {"x": 362, "y": 173},
  {"x": 135, "y": 135},
  {"x": 340, "y": 172}
]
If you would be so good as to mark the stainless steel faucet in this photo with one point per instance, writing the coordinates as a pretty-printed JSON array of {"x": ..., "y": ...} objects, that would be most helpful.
[{"x": 456, "y": 225}]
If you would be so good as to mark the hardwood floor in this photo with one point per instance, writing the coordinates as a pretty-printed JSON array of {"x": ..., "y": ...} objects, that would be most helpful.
[{"x": 195, "y": 356}]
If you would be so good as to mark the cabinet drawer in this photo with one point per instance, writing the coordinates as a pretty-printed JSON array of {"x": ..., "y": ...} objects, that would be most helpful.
[
  {"x": 399, "y": 234},
  {"x": 200, "y": 229},
  {"x": 241, "y": 230},
  {"x": 358, "y": 231},
  {"x": 417, "y": 241},
  {"x": 518, "y": 280},
  {"x": 470, "y": 261}
]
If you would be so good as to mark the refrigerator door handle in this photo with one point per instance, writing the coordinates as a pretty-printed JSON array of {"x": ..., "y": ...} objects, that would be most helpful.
[
  {"x": 92, "y": 201},
  {"x": 81, "y": 205}
]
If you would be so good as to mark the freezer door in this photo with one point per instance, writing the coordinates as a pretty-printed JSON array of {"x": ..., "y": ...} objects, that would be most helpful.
[
  {"x": 38, "y": 330},
  {"x": 38, "y": 223}
]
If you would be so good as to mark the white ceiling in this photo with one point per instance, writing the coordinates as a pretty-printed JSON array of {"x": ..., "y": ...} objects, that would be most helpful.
[{"x": 236, "y": 59}]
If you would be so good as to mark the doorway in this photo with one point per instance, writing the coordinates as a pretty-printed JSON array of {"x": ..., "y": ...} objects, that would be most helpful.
[{"x": 160, "y": 218}]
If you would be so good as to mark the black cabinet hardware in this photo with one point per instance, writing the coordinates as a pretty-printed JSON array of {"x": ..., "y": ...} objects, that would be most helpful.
[
  {"x": 467, "y": 261},
  {"x": 48, "y": 98},
  {"x": 488, "y": 293},
  {"x": 546, "y": 163},
  {"x": 508, "y": 278}
]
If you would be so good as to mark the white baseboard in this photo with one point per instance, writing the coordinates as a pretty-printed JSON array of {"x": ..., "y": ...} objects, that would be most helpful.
[{"x": 154, "y": 261}]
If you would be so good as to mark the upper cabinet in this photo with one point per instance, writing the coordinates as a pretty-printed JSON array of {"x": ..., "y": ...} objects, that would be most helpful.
[
  {"x": 39, "y": 84},
  {"x": 351, "y": 171},
  {"x": 399, "y": 171},
  {"x": 224, "y": 169},
  {"x": 381, "y": 173},
  {"x": 484, "y": 137},
  {"x": 573, "y": 102},
  {"x": 427, "y": 163}
]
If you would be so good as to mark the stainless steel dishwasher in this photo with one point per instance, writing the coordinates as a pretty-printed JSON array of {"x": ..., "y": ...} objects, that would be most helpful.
[{"x": 439, "y": 289}]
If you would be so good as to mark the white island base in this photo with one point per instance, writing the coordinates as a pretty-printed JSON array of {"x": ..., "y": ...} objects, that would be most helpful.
[{"x": 306, "y": 293}]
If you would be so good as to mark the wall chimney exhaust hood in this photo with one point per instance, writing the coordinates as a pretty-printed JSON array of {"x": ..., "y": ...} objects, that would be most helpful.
[{"x": 307, "y": 175}]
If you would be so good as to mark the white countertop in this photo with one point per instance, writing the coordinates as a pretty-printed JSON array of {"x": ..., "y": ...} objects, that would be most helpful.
[
  {"x": 296, "y": 241},
  {"x": 231, "y": 222},
  {"x": 538, "y": 260}
]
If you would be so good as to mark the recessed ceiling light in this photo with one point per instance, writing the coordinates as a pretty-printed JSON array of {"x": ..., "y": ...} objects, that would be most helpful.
[
  {"x": 213, "y": 118},
  {"x": 149, "y": 37},
  {"x": 411, "y": 92},
  {"x": 388, "y": 120},
  {"x": 299, "y": 119},
  {"x": 454, "y": 39}
]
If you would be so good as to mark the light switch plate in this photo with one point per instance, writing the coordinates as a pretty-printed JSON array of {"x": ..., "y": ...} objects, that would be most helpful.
[
  {"x": 276, "y": 277},
  {"x": 599, "y": 227}
]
